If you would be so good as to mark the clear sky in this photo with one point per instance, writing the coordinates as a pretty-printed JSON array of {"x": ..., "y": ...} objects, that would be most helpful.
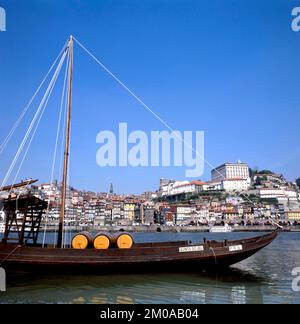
[{"x": 229, "y": 68}]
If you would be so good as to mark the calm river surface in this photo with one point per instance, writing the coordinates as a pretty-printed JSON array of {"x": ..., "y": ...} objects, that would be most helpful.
[{"x": 264, "y": 278}]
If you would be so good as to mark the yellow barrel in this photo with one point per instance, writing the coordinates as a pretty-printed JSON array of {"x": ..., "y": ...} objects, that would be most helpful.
[
  {"x": 102, "y": 241},
  {"x": 82, "y": 241},
  {"x": 123, "y": 240}
]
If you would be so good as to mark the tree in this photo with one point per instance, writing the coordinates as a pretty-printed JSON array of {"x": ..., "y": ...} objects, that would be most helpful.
[
  {"x": 253, "y": 172},
  {"x": 298, "y": 182},
  {"x": 258, "y": 181},
  {"x": 265, "y": 172}
]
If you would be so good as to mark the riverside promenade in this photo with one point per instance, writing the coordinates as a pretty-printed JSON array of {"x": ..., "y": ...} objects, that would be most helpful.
[{"x": 174, "y": 229}]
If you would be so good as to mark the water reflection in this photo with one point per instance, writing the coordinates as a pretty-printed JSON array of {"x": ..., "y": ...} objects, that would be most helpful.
[
  {"x": 130, "y": 289},
  {"x": 263, "y": 278}
]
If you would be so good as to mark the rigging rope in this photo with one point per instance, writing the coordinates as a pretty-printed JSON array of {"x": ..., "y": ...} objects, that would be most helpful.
[
  {"x": 33, "y": 122},
  {"x": 34, "y": 132},
  {"x": 18, "y": 121},
  {"x": 56, "y": 144}
]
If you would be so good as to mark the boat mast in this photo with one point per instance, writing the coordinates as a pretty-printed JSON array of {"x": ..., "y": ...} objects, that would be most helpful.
[{"x": 67, "y": 149}]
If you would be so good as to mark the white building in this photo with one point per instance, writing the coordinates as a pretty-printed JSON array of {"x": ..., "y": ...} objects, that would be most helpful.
[
  {"x": 50, "y": 191},
  {"x": 238, "y": 184},
  {"x": 234, "y": 200},
  {"x": 212, "y": 185},
  {"x": 180, "y": 187},
  {"x": 269, "y": 193},
  {"x": 187, "y": 187},
  {"x": 185, "y": 214},
  {"x": 291, "y": 194},
  {"x": 283, "y": 194},
  {"x": 202, "y": 214},
  {"x": 237, "y": 170}
]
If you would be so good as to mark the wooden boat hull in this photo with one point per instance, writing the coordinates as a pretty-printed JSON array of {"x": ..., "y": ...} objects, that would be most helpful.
[{"x": 151, "y": 257}]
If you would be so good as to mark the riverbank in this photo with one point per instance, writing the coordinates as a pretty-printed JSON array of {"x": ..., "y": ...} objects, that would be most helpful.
[{"x": 175, "y": 229}]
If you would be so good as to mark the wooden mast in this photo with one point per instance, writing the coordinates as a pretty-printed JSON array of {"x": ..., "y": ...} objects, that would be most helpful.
[{"x": 67, "y": 149}]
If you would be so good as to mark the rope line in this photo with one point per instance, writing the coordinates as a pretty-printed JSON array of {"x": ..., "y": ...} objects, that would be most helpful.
[
  {"x": 18, "y": 121},
  {"x": 35, "y": 130},
  {"x": 213, "y": 251},
  {"x": 32, "y": 122}
]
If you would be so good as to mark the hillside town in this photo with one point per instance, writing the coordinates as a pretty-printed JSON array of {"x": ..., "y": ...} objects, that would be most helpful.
[{"x": 235, "y": 194}]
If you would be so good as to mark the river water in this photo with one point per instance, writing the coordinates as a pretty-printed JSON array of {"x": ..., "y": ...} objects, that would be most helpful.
[{"x": 264, "y": 278}]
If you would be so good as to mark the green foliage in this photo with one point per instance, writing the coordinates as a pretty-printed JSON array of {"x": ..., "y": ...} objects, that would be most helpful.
[
  {"x": 265, "y": 172},
  {"x": 269, "y": 201}
]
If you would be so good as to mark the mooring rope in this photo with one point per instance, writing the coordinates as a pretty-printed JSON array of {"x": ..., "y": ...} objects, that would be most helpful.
[{"x": 213, "y": 251}]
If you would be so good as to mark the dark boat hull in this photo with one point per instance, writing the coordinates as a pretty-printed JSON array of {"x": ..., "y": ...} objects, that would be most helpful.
[{"x": 167, "y": 256}]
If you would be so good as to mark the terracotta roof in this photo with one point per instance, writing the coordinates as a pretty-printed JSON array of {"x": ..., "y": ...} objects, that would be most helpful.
[{"x": 198, "y": 183}]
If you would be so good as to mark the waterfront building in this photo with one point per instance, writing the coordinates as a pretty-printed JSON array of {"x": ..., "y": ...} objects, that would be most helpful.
[
  {"x": 148, "y": 214},
  {"x": 231, "y": 215},
  {"x": 170, "y": 218},
  {"x": 129, "y": 210},
  {"x": 117, "y": 210},
  {"x": 202, "y": 213},
  {"x": 293, "y": 215},
  {"x": 108, "y": 214},
  {"x": 185, "y": 214},
  {"x": 137, "y": 214},
  {"x": 99, "y": 217}
]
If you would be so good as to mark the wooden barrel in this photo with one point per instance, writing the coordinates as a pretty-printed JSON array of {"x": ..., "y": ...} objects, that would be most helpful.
[
  {"x": 102, "y": 241},
  {"x": 82, "y": 241},
  {"x": 123, "y": 240}
]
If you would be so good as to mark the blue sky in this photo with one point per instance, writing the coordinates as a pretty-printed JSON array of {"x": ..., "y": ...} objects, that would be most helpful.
[{"x": 229, "y": 68}]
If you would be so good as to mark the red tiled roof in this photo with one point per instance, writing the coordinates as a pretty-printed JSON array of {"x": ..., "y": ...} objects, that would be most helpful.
[{"x": 198, "y": 183}]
